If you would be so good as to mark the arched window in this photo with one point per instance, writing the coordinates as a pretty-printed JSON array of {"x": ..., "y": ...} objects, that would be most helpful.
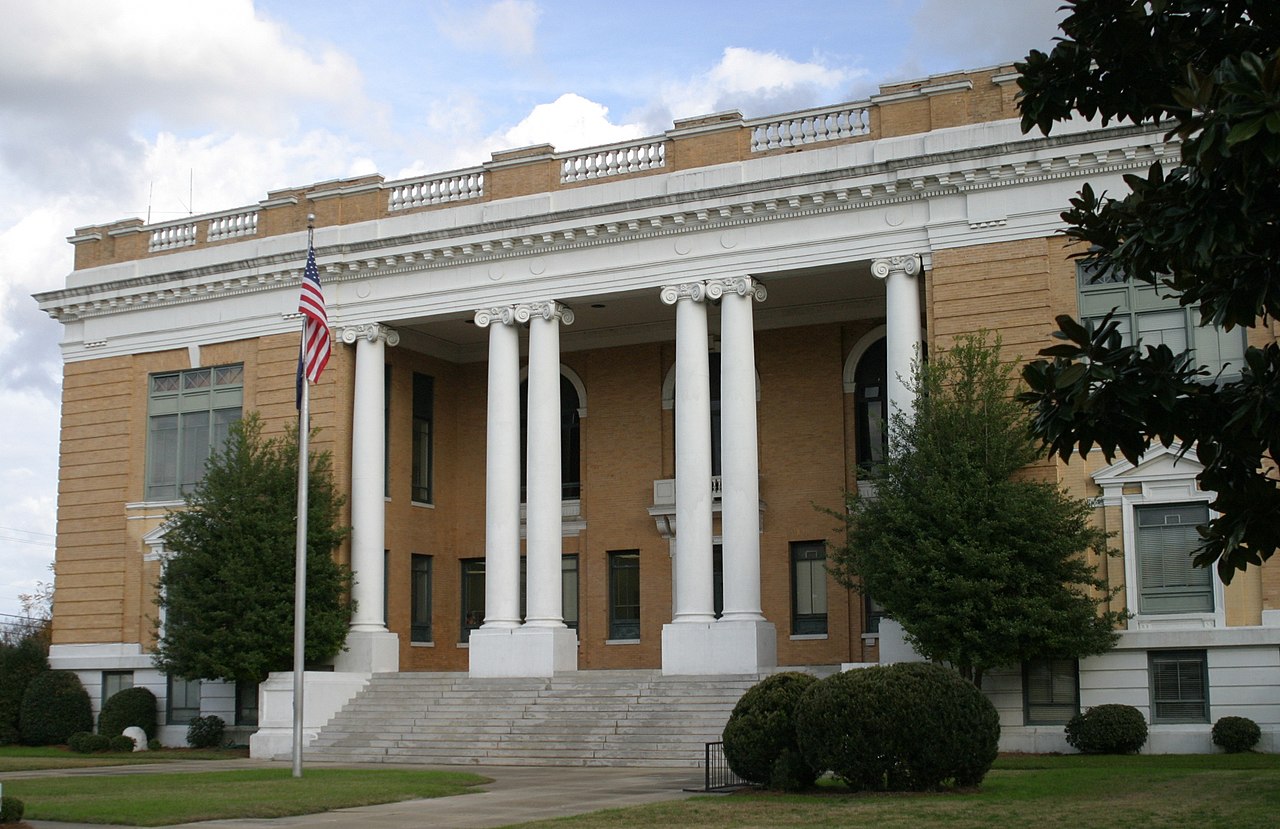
[
  {"x": 872, "y": 406},
  {"x": 570, "y": 439}
]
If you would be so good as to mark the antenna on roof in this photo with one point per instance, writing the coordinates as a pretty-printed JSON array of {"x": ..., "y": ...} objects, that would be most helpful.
[{"x": 151, "y": 191}]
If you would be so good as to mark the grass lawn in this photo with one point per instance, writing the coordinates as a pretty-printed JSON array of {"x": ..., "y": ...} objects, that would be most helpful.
[
  {"x": 164, "y": 798},
  {"x": 1209, "y": 792},
  {"x": 34, "y": 758}
]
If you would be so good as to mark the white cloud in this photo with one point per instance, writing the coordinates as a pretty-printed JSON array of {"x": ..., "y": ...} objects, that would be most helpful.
[
  {"x": 507, "y": 27},
  {"x": 758, "y": 83}
]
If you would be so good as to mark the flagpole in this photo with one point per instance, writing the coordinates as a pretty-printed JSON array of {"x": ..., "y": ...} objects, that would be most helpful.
[{"x": 300, "y": 548}]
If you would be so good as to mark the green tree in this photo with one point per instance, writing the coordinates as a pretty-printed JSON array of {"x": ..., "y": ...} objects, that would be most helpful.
[
  {"x": 981, "y": 566},
  {"x": 1205, "y": 230},
  {"x": 227, "y": 592}
]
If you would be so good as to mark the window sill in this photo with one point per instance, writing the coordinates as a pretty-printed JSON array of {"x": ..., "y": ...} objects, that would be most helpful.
[
  {"x": 807, "y": 637},
  {"x": 464, "y": 645},
  {"x": 423, "y": 504},
  {"x": 422, "y": 644},
  {"x": 622, "y": 641},
  {"x": 871, "y": 637}
]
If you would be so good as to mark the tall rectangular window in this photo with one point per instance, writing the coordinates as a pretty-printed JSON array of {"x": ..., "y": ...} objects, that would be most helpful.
[
  {"x": 423, "y": 427},
  {"x": 1166, "y": 538},
  {"x": 420, "y": 598},
  {"x": 189, "y": 414},
  {"x": 1050, "y": 691},
  {"x": 113, "y": 682},
  {"x": 874, "y": 612},
  {"x": 1151, "y": 314},
  {"x": 624, "y": 594},
  {"x": 809, "y": 588},
  {"x": 569, "y": 590},
  {"x": 183, "y": 703},
  {"x": 472, "y": 596},
  {"x": 246, "y": 703},
  {"x": 1179, "y": 686}
]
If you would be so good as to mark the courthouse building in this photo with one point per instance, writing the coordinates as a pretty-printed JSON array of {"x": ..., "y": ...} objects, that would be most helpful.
[{"x": 584, "y": 405}]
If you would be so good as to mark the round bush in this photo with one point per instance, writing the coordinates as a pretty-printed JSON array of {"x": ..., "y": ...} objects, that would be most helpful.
[
  {"x": 54, "y": 707},
  {"x": 1107, "y": 729},
  {"x": 130, "y": 707},
  {"x": 119, "y": 743},
  {"x": 760, "y": 738},
  {"x": 905, "y": 727},
  {"x": 11, "y": 809},
  {"x": 206, "y": 732},
  {"x": 86, "y": 742},
  {"x": 1236, "y": 734}
]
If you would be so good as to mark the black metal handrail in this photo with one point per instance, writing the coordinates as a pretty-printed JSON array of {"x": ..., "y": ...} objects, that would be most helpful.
[{"x": 718, "y": 775}]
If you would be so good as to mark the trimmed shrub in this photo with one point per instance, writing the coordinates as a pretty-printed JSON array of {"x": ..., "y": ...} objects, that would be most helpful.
[
  {"x": 760, "y": 738},
  {"x": 911, "y": 726},
  {"x": 11, "y": 809},
  {"x": 119, "y": 743},
  {"x": 18, "y": 664},
  {"x": 86, "y": 742},
  {"x": 130, "y": 707},
  {"x": 1236, "y": 734},
  {"x": 54, "y": 707},
  {"x": 1107, "y": 729},
  {"x": 206, "y": 732}
]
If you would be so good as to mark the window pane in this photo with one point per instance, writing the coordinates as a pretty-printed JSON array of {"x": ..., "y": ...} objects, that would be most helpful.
[
  {"x": 569, "y": 589},
  {"x": 624, "y": 595},
  {"x": 184, "y": 700},
  {"x": 423, "y": 414},
  {"x": 113, "y": 682},
  {"x": 246, "y": 703},
  {"x": 472, "y": 596},
  {"x": 1164, "y": 328},
  {"x": 809, "y": 588},
  {"x": 1179, "y": 691},
  {"x": 1050, "y": 690},
  {"x": 1166, "y": 539},
  {"x": 190, "y": 413},
  {"x": 193, "y": 450},
  {"x": 162, "y": 462}
]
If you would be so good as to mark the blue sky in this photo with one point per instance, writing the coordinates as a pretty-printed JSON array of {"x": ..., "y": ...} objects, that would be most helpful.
[{"x": 118, "y": 108}]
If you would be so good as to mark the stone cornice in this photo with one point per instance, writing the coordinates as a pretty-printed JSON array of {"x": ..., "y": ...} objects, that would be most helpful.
[{"x": 846, "y": 188}]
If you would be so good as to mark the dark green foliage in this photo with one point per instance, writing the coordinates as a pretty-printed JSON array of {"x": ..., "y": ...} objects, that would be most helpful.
[
  {"x": 994, "y": 572},
  {"x": 1107, "y": 729},
  {"x": 1209, "y": 72},
  {"x": 760, "y": 738},
  {"x": 911, "y": 726},
  {"x": 19, "y": 662},
  {"x": 228, "y": 590},
  {"x": 130, "y": 707},
  {"x": 54, "y": 707},
  {"x": 86, "y": 742},
  {"x": 206, "y": 732},
  {"x": 11, "y": 809},
  {"x": 120, "y": 743},
  {"x": 1236, "y": 734}
]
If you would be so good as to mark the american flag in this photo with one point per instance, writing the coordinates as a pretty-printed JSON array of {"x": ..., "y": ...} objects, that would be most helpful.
[{"x": 315, "y": 330}]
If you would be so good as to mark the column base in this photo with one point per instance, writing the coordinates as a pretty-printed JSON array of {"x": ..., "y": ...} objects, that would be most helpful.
[
  {"x": 724, "y": 647},
  {"x": 324, "y": 694},
  {"x": 370, "y": 652},
  {"x": 522, "y": 652}
]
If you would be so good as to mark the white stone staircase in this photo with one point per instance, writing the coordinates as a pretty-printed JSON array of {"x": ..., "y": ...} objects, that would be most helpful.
[{"x": 585, "y": 718}]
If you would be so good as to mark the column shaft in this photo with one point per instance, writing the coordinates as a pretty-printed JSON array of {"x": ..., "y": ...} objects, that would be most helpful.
[
  {"x": 740, "y": 470},
  {"x": 502, "y": 479},
  {"x": 902, "y": 334},
  {"x": 543, "y": 473},
  {"x": 368, "y": 482}
]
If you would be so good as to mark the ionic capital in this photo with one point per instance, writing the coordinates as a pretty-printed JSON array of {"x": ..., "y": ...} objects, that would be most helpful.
[
  {"x": 504, "y": 314},
  {"x": 671, "y": 294},
  {"x": 905, "y": 265},
  {"x": 744, "y": 286},
  {"x": 371, "y": 331},
  {"x": 549, "y": 310}
]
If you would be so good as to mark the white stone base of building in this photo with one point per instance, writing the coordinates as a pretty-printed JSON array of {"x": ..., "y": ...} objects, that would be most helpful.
[
  {"x": 369, "y": 652},
  {"x": 523, "y": 651},
  {"x": 323, "y": 695},
  {"x": 723, "y": 647}
]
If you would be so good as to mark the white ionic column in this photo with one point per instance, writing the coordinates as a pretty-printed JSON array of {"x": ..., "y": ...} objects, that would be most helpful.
[
  {"x": 739, "y": 460},
  {"x": 544, "y": 645},
  {"x": 694, "y": 601},
  {"x": 502, "y": 473},
  {"x": 370, "y": 647},
  {"x": 902, "y": 324}
]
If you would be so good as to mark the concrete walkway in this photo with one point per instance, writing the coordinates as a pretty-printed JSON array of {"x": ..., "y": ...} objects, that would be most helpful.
[{"x": 517, "y": 794}]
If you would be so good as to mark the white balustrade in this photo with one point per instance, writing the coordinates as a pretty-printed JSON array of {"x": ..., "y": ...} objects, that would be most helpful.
[
  {"x": 810, "y": 127},
  {"x": 616, "y": 160},
  {"x": 233, "y": 225},
  {"x": 172, "y": 236},
  {"x": 451, "y": 187}
]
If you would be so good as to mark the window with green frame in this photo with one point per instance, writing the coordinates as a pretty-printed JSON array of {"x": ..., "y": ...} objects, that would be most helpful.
[
  {"x": 624, "y": 595},
  {"x": 1165, "y": 538},
  {"x": 423, "y": 429},
  {"x": 1050, "y": 691},
  {"x": 189, "y": 414},
  {"x": 420, "y": 598},
  {"x": 1179, "y": 686},
  {"x": 809, "y": 588},
  {"x": 1152, "y": 314}
]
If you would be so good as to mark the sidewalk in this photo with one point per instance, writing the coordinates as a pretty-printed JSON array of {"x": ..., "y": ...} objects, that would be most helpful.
[{"x": 516, "y": 795}]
